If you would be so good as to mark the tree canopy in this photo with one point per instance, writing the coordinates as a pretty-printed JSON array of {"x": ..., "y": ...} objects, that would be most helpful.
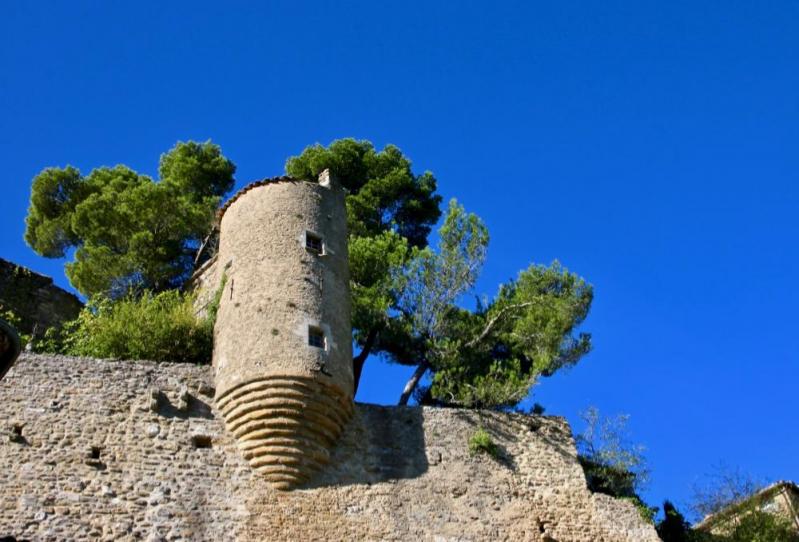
[
  {"x": 132, "y": 234},
  {"x": 494, "y": 355},
  {"x": 384, "y": 193},
  {"x": 129, "y": 232},
  {"x": 490, "y": 356},
  {"x": 405, "y": 293},
  {"x": 390, "y": 212}
]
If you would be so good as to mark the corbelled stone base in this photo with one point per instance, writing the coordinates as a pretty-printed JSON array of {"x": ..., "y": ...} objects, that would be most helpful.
[{"x": 286, "y": 425}]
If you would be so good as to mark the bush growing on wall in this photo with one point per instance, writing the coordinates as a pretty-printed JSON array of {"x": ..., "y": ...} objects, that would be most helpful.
[
  {"x": 158, "y": 327},
  {"x": 481, "y": 442}
]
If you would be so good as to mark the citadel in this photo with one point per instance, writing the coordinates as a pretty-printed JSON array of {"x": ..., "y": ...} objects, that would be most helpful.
[{"x": 267, "y": 443}]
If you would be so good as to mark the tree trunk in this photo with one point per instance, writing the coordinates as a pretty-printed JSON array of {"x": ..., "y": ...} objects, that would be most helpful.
[
  {"x": 359, "y": 360},
  {"x": 417, "y": 375}
]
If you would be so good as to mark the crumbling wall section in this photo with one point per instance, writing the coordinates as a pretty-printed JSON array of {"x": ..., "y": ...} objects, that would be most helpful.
[{"x": 34, "y": 298}]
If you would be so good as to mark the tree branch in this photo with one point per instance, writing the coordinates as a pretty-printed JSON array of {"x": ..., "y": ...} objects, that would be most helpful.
[
  {"x": 359, "y": 360},
  {"x": 417, "y": 375},
  {"x": 493, "y": 322},
  {"x": 203, "y": 245}
]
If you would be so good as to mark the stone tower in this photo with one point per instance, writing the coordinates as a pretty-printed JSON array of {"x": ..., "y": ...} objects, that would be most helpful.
[{"x": 282, "y": 340}]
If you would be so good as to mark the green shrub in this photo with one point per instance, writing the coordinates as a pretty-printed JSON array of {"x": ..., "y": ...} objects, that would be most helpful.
[
  {"x": 608, "y": 479},
  {"x": 213, "y": 306},
  {"x": 158, "y": 327},
  {"x": 55, "y": 340},
  {"x": 481, "y": 442}
]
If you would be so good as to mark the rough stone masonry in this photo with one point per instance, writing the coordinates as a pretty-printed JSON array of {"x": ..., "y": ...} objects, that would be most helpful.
[
  {"x": 135, "y": 450},
  {"x": 283, "y": 337},
  {"x": 118, "y": 450},
  {"x": 35, "y": 299}
]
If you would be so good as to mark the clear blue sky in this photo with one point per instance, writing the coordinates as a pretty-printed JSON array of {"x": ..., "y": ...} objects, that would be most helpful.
[{"x": 649, "y": 146}]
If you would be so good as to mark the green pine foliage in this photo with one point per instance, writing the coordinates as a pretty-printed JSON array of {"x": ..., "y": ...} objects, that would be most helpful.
[
  {"x": 129, "y": 232},
  {"x": 384, "y": 193},
  {"x": 375, "y": 268},
  {"x": 494, "y": 355}
]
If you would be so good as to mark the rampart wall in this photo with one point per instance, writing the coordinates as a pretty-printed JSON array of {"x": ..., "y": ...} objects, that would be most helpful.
[{"x": 117, "y": 450}]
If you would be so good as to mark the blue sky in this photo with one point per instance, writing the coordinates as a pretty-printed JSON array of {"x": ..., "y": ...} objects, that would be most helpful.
[{"x": 649, "y": 146}]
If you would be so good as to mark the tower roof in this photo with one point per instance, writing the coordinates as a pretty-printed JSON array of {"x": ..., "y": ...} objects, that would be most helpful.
[{"x": 255, "y": 184}]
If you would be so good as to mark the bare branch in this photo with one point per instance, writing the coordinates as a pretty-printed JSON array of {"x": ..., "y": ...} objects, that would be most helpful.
[
  {"x": 359, "y": 360},
  {"x": 493, "y": 322},
  {"x": 413, "y": 382}
]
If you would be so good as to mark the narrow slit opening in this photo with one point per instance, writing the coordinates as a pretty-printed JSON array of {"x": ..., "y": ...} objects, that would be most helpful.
[
  {"x": 314, "y": 243},
  {"x": 316, "y": 337}
]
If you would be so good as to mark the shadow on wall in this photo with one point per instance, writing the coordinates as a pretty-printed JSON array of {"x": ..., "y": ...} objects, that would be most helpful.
[
  {"x": 499, "y": 428},
  {"x": 187, "y": 406},
  {"x": 379, "y": 444},
  {"x": 506, "y": 428}
]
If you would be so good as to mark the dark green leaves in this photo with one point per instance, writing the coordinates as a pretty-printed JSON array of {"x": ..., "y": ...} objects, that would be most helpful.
[
  {"x": 384, "y": 194},
  {"x": 54, "y": 195},
  {"x": 198, "y": 170},
  {"x": 495, "y": 354},
  {"x": 129, "y": 232}
]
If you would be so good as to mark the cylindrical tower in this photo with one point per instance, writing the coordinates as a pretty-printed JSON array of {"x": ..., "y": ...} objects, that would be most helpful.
[{"x": 283, "y": 339}]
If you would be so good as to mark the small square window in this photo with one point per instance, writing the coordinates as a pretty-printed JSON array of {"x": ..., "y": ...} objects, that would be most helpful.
[
  {"x": 316, "y": 337},
  {"x": 314, "y": 243}
]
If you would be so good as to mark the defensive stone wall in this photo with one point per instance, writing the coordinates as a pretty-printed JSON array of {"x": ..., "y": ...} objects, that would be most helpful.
[
  {"x": 34, "y": 298},
  {"x": 105, "y": 450}
]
